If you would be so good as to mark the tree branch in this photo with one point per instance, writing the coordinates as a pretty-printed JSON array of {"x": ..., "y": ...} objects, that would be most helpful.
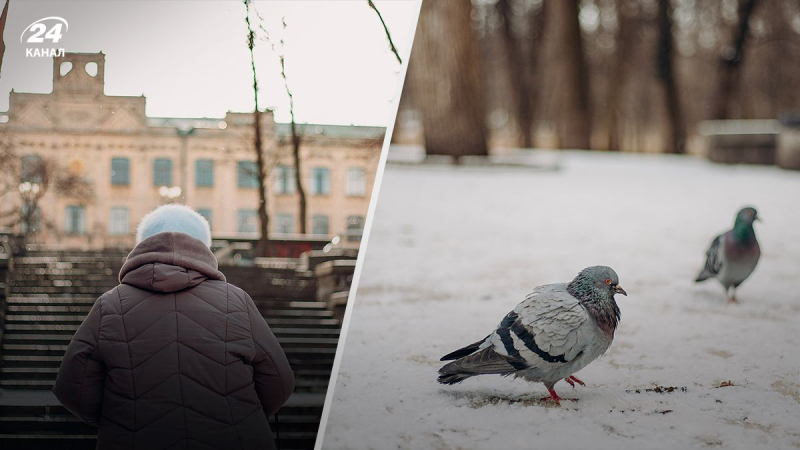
[{"x": 386, "y": 29}]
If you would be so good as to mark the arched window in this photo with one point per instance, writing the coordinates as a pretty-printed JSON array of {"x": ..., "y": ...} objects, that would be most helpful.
[
  {"x": 355, "y": 228},
  {"x": 32, "y": 169},
  {"x": 320, "y": 181},
  {"x": 356, "y": 182},
  {"x": 120, "y": 171},
  {"x": 162, "y": 172}
]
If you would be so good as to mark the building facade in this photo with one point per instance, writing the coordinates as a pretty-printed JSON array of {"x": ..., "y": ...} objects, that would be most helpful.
[{"x": 133, "y": 163}]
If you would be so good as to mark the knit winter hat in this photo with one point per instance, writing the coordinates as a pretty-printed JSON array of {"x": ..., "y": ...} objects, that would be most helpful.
[{"x": 176, "y": 218}]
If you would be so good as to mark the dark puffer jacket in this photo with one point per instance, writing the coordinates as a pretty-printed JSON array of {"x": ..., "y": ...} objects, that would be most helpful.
[{"x": 175, "y": 357}]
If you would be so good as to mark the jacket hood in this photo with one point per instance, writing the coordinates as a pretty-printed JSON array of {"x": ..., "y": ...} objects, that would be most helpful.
[{"x": 169, "y": 262}]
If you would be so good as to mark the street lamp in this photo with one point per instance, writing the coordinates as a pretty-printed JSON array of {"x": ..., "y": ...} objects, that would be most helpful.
[
  {"x": 29, "y": 193},
  {"x": 169, "y": 193},
  {"x": 28, "y": 189}
]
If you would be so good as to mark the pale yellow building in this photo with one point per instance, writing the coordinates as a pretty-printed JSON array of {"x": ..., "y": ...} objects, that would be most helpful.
[{"x": 135, "y": 163}]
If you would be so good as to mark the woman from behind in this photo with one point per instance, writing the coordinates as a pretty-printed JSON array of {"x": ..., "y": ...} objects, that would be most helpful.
[{"x": 175, "y": 357}]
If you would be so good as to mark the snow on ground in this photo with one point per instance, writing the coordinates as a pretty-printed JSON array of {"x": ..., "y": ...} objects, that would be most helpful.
[{"x": 453, "y": 249}]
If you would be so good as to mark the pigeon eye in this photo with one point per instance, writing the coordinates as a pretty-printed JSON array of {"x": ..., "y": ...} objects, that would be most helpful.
[{"x": 608, "y": 281}]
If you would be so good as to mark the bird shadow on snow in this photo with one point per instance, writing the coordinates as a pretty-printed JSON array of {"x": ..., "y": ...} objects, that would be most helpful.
[{"x": 480, "y": 398}]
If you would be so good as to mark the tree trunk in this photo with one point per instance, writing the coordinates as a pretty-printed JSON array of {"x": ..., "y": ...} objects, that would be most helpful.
[
  {"x": 568, "y": 77},
  {"x": 616, "y": 88},
  {"x": 263, "y": 217},
  {"x": 445, "y": 75},
  {"x": 731, "y": 61},
  {"x": 665, "y": 71},
  {"x": 536, "y": 64},
  {"x": 301, "y": 193},
  {"x": 516, "y": 71},
  {"x": 3, "y": 18},
  {"x": 262, "y": 248}
]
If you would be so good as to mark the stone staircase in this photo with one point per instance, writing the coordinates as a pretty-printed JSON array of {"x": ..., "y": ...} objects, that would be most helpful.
[{"x": 49, "y": 294}]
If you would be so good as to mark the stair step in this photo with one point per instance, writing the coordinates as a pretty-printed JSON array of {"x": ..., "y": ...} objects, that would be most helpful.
[
  {"x": 4, "y": 437},
  {"x": 51, "y": 300},
  {"x": 309, "y": 305},
  {"x": 26, "y": 358},
  {"x": 304, "y": 322},
  {"x": 36, "y": 337},
  {"x": 308, "y": 341},
  {"x": 305, "y": 331},
  {"x": 50, "y": 308},
  {"x": 22, "y": 384},
  {"x": 33, "y": 348},
  {"x": 44, "y": 318},
  {"x": 296, "y": 313},
  {"x": 40, "y": 327}
]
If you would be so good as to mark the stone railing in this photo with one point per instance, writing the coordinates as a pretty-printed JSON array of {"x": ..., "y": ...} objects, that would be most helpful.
[
  {"x": 6, "y": 252},
  {"x": 788, "y": 152},
  {"x": 333, "y": 283},
  {"x": 741, "y": 141},
  {"x": 314, "y": 258}
]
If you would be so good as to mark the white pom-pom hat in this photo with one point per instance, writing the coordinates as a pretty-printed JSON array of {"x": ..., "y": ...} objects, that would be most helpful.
[{"x": 175, "y": 218}]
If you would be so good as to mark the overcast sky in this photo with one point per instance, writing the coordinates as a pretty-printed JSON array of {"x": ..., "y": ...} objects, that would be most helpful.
[{"x": 190, "y": 59}]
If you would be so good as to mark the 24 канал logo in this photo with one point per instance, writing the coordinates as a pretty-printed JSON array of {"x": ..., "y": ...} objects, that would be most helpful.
[{"x": 39, "y": 32}]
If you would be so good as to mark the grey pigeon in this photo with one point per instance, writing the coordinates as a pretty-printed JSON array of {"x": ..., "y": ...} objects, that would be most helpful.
[
  {"x": 556, "y": 331},
  {"x": 734, "y": 255}
]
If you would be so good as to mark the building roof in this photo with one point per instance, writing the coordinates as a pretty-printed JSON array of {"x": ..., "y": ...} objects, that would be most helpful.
[{"x": 281, "y": 129}]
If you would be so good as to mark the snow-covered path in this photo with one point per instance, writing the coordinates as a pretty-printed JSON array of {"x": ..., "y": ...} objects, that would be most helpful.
[{"x": 455, "y": 248}]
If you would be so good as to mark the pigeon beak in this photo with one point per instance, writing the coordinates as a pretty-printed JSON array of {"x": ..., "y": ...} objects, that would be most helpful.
[
  {"x": 618, "y": 290},
  {"x": 758, "y": 219}
]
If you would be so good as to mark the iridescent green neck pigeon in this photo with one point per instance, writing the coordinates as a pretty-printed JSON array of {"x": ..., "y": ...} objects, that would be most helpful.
[
  {"x": 556, "y": 331},
  {"x": 733, "y": 256}
]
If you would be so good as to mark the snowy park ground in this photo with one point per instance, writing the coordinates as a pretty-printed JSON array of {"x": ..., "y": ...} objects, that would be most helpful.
[{"x": 453, "y": 249}]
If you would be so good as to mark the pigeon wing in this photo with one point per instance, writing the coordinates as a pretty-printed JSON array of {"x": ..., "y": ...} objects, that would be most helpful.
[
  {"x": 546, "y": 330},
  {"x": 713, "y": 260}
]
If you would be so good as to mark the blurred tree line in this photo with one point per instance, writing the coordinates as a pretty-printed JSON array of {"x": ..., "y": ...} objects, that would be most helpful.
[{"x": 630, "y": 75}]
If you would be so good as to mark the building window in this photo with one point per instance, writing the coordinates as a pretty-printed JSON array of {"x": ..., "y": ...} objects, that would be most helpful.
[
  {"x": 119, "y": 222},
  {"x": 30, "y": 219},
  {"x": 76, "y": 220},
  {"x": 162, "y": 172},
  {"x": 320, "y": 181},
  {"x": 356, "y": 183},
  {"x": 32, "y": 169},
  {"x": 206, "y": 213},
  {"x": 204, "y": 173},
  {"x": 319, "y": 224},
  {"x": 284, "y": 181},
  {"x": 355, "y": 228},
  {"x": 247, "y": 221},
  {"x": 284, "y": 223},
  {"x": 247, "y": 174},
  {"x": 120, "y": 171}
]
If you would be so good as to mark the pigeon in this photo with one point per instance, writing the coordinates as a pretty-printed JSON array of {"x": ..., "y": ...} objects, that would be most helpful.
[
  {"x": 556, "y": 331},
  {"x": 733, "y": 256}
]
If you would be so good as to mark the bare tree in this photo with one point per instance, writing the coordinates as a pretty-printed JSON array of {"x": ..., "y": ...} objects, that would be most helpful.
[
  {"x": 665, "y": 71},
  {"x": 568, "y": 79},
  {"x": 444, "y": 71},
  {"x": 301, "y": 193},
  {"x": 731, "y": 60},
  {"x": 622, "y": 42},
  {"x": 3, "y": 18},
  {"x": 522, "y": 97},
  {"x": 386, "y": 30},
  {"x": 31, "y": 177},
  {"x": 263, "y": 218}
]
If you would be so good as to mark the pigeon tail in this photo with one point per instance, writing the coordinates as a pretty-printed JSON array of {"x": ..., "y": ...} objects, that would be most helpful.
[
  {"x": 703, "y": 276},
  {"x": 453, "y": 378},
  {"x": 462, "y": 352}
]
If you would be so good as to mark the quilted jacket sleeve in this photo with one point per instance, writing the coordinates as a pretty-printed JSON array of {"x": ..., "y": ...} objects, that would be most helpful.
[
  {"x": 79, "y": 385},
  {"x": 273, "y": 377}
]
